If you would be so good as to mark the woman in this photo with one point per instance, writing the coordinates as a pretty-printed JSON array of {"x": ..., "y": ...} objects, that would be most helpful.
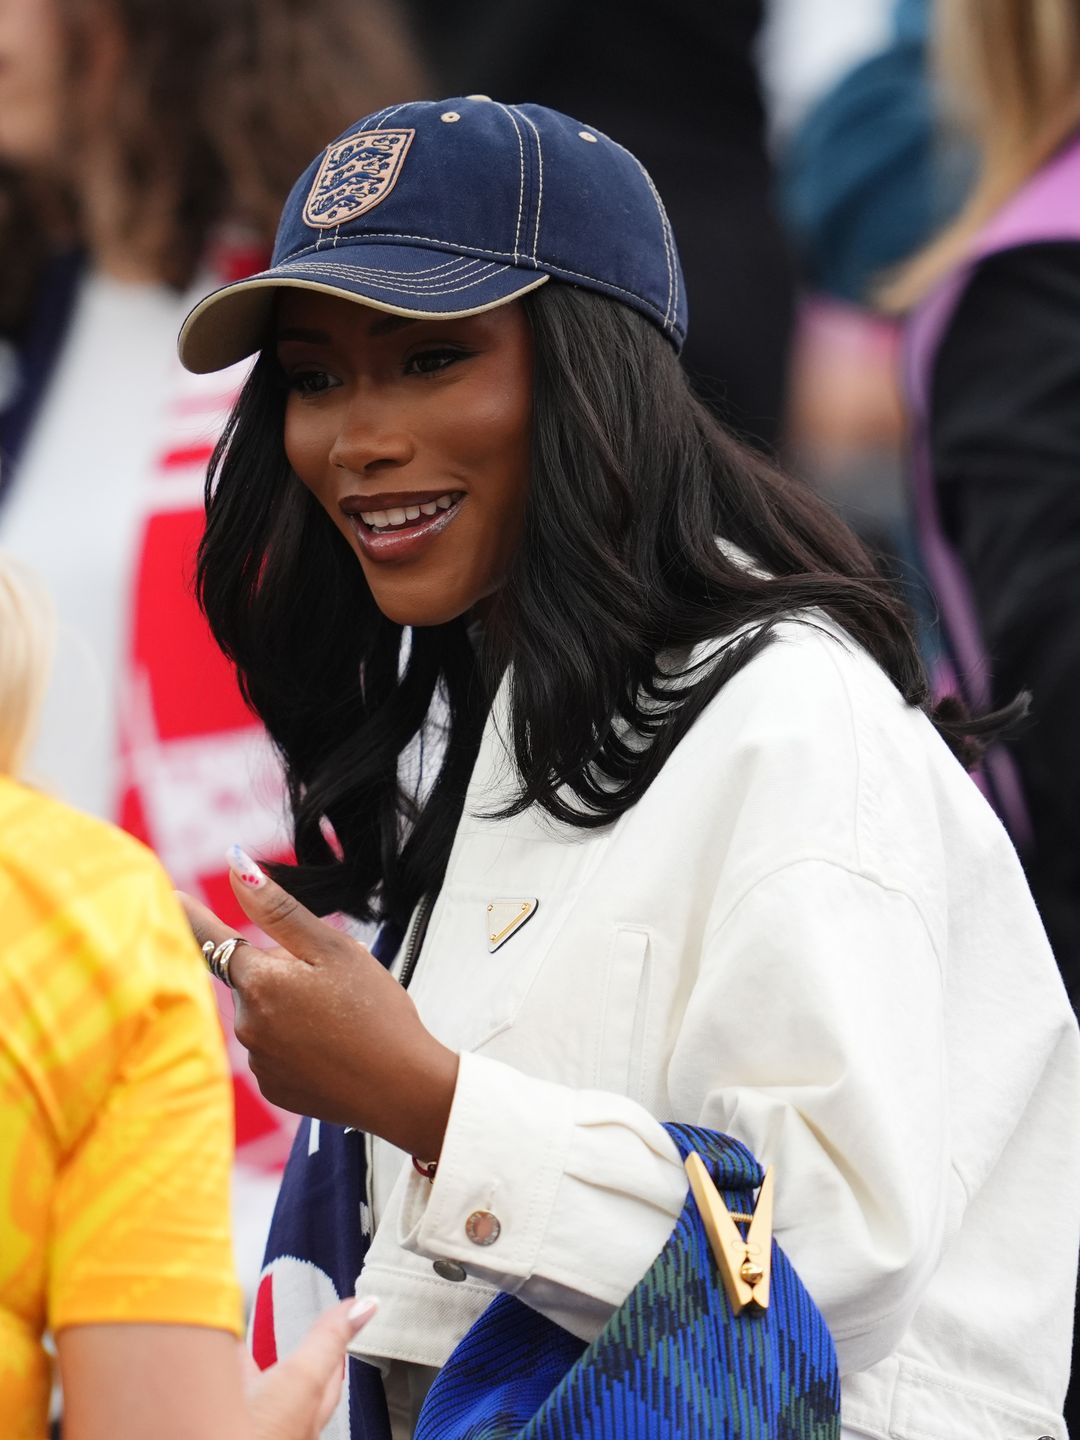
[
  {"x": 993, "y": 377},
  {"x": 145, "y": 149},
  {"x": 115, "y": 1138},
  {"x": 690, "y": 845}
]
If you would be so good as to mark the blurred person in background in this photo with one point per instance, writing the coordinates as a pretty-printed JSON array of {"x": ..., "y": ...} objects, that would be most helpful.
[
  {"x": 866, "y": 179},
  {"x": 115, "y": 1131},
  {"x": 866, "y": 176},
  {"x": 993, "y": 362},
  {"x": 681, "y": 90},
  {"x": 145, "y": 149}
]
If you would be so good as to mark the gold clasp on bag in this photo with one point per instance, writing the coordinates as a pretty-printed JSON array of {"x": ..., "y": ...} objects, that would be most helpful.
[{"x": 745, "y": 1263}]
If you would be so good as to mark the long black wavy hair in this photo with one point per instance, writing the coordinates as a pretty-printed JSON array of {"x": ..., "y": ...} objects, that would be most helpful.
[{"x": 632, "y": 479}]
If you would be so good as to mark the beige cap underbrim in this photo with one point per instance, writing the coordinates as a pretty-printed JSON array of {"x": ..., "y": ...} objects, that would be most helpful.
[{"x": 234, "y": 322}]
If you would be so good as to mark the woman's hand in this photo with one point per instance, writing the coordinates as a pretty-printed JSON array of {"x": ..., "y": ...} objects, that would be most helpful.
[
  {"x": 128, "y": 1381},
  {"x": 329, "y": 1032},
  {"x": 294, "y": 1399}
]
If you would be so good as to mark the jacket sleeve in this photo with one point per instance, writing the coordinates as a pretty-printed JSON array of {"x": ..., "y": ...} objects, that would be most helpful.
[{"x": 814, "y": 1033}]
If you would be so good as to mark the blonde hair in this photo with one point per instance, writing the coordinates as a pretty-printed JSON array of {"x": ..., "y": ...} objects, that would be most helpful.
[
  {"x": 1010, "y": 70},
  {"x": 27, "y": 637}
]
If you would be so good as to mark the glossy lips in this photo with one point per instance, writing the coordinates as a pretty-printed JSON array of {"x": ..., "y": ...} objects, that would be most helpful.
[{"x": 396, "y": 526}]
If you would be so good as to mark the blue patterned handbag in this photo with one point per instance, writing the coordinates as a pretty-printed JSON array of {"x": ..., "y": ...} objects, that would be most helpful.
[{"x": 677, "y": 1361}]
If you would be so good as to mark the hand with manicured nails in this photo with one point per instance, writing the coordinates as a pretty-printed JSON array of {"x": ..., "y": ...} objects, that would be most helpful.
[
  {"x": 328, "y": 1031},
  {"x": 295, "y": 1398},
  {"x": 177, "y": 1381}
]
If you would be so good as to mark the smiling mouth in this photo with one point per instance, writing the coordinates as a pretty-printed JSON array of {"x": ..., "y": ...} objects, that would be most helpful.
[
  {"x": 402, "y": 531},
  {"x": 405, "y": 517}
]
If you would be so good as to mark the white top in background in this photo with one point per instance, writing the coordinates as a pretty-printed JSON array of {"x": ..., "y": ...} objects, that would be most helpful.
[{"x": 76, "y": 512}]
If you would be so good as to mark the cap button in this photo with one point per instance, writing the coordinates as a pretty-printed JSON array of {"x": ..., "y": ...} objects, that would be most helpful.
[
  {"x": 477, "y": 97},
  {"x": 584, "y": 134}
]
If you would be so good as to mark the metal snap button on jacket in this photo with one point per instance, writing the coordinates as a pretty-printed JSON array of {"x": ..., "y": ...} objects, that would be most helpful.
[
  {"x": 448, "y": 1269},
  {"x": 482, "y": 1227}
]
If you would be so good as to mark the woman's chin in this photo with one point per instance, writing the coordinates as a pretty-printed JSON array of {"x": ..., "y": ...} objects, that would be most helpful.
[
  {"x": 420, "y": 611},
  {"x": 420, "y": 605}
]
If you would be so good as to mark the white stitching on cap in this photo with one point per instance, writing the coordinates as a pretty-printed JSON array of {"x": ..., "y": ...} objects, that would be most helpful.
[
  {"x": 344, "y": 272},
  {"x": 521, "y": 177},
  {"x": 482, "y": 267},
  {"x": 501, "y": 254},
  {"x": 402, "y": 277},
  {"x": 375, "y": 121},
  {"x": 669, "y": 244},
  {"x": 462, "y": 264},
  {"x": 459, "y": 260},
  {"x": 388, "y": 115},
  {"x": 378, "y": 277},
  {"x": 426, "y": 239},
  {"x": 540, "y": 185},
  {"x": 665, "y": 229},
  {"x": 424, "y": 278},
  {"x": 420, "y": 294},
  {"x": 669, "y": 247}
]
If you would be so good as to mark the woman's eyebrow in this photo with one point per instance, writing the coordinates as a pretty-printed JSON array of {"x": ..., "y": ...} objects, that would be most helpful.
[
  {"x": 292, "y": 332},
  {"x": 391, "y": 322},
  {"x": 383, "y": 326}
]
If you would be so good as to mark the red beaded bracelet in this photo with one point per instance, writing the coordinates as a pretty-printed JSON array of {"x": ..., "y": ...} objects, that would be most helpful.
[{"x": 426, "y": 1168}]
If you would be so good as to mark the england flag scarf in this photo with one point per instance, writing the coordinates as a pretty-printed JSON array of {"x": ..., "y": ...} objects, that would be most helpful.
[{"x": 318, "y": 1240}]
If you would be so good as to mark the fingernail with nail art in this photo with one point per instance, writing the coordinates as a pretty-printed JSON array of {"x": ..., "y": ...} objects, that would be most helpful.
[{"x": 244, "y": 868}]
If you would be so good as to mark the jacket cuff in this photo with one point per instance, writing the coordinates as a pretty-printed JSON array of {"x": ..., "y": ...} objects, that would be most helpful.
[
  {"x": 562, "y": 1197},
  {"x": 502, "y": 1162}
]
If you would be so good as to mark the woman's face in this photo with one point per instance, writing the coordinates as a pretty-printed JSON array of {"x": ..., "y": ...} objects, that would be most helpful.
[
  {"x": 32, "y": 65},
  {"x": 414, "y": 437}
]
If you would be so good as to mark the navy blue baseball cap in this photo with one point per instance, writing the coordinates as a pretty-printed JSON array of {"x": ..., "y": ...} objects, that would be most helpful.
[{"x": 450, "y": 207}]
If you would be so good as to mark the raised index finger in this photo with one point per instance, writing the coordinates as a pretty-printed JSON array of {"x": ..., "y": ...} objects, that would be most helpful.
[{"x": 205, "y": 925}]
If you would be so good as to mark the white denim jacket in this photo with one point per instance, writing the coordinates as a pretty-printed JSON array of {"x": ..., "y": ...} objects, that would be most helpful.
[{"x": 811, "y": 933}]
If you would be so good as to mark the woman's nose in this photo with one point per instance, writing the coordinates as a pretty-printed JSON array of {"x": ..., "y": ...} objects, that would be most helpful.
[{"x": 371, "y": 437}]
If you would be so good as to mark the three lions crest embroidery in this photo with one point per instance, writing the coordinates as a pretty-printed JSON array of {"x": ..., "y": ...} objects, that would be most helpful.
[{"x": 356, "y": 174}]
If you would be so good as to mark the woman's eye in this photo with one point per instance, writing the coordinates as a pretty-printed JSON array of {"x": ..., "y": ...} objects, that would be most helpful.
[
  {"x": 309, "y": 382},
  {"x": 427, "y": 362}
]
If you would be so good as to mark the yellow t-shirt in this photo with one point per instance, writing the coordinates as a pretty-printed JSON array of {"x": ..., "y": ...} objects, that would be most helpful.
[{"x": 115, "y": 1103}]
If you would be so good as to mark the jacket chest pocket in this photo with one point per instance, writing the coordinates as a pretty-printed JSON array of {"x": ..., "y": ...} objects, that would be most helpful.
[
  {"x": 622, "y": 1038},
  {"x": 510, "y": 890},
  {"x": 481, "y": 959}
]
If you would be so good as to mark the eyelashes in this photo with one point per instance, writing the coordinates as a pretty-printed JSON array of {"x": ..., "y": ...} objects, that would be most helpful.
[
  {"x": 308, "y": 382},
  {"x": 311, "y": 380},
  {"x": 430, "y": 361}
]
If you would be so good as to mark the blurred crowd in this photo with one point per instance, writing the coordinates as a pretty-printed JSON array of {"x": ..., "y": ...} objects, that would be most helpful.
[{"x": 878, "y": 210}]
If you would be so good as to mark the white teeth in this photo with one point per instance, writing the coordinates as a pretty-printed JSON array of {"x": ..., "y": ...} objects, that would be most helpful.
[{"x": 402, "y": 515}]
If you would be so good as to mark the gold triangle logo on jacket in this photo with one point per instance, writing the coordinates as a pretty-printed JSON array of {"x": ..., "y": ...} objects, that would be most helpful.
[{"x": 506, "y": 917}]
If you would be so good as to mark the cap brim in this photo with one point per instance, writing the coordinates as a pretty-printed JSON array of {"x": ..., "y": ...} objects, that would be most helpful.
[{"x": 234, "y": 322}]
